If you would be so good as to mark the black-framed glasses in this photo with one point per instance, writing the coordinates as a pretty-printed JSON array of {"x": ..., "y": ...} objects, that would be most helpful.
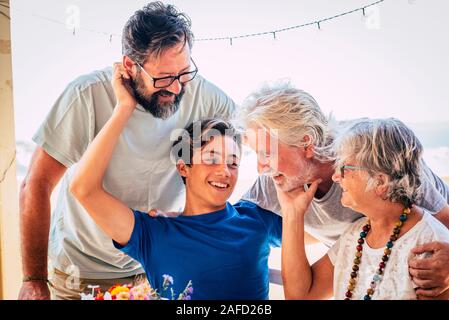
[
  {"x": 165, "y": 82},
  {"x": 342, "y": 169}
]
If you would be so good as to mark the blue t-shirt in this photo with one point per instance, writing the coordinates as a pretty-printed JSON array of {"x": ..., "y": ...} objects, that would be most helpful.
[{"x": 224, "y": 253}]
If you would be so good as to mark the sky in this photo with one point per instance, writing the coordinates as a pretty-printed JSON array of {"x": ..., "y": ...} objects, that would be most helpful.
[{"x": 393, "y": 62}]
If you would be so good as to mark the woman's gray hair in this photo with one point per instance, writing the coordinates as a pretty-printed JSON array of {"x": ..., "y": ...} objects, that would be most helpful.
[
  {"x": 293, "y": 114},
  {"x": 385, "y": 146}
]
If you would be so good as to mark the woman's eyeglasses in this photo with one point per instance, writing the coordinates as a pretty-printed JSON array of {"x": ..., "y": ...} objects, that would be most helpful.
[{"x": 344, "y": 167}]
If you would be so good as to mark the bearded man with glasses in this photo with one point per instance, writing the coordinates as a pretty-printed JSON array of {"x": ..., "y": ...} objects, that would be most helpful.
[{"x": 163, "y": 103}]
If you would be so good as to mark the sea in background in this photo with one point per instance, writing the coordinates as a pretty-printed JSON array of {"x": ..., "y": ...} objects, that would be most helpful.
[{"x": 435, "y": 139}]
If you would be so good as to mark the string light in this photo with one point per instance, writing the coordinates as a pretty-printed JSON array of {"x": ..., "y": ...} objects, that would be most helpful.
[
  {"x": 231, "y": 38},
  {"x": 316, "y": 22},
  {"x": 108, "y": 34}
]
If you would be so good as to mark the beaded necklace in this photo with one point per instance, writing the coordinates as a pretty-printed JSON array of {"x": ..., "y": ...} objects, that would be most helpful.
[{"x": 358, "y": 256}]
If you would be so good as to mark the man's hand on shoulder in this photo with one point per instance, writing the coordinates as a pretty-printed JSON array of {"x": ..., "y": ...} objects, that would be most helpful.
[{"x": 431, "y": 273}]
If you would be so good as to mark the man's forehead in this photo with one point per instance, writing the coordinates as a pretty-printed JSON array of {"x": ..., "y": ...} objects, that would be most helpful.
[
  {"x": 260, "y": 136},
  {"x": 261, "y": 131},
  {"x": 171, "y": 58}
]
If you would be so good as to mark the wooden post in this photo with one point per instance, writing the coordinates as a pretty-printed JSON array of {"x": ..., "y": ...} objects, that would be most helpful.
[{"x": 10, "y": 262}]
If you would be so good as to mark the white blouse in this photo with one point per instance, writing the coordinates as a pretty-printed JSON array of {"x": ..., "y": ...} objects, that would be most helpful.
[{"x": 396, "y": 283}]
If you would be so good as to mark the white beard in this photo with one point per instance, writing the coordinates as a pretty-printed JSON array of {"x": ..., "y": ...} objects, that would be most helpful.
[{"x": 291, "y": 183}]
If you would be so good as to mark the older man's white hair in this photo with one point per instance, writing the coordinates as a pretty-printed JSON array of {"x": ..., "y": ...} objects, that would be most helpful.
[{"x": 294, "y": 115}]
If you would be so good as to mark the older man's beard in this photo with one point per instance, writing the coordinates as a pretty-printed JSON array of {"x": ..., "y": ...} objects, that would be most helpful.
[
  {"x": 291, "y": 183},
  {"x": 306, "y": 177},
  {"x": 162, "y": 110}
]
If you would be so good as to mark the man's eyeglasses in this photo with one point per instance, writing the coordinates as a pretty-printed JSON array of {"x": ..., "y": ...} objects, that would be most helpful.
[
  {"x": 165, "y": 82},
  {"x": 342, "y": 169}
]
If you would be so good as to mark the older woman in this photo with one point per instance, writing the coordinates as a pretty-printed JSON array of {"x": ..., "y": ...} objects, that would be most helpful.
[{"x": 378, "y": 166}]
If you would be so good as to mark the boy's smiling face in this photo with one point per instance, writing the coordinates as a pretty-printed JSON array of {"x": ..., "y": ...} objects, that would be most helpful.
[{"x": 212, "y": 177}]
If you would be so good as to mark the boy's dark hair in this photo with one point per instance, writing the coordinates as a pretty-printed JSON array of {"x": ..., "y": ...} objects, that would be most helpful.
[
  {"x": 197, "y": 135},
  {"x": 153, "y": 29}
]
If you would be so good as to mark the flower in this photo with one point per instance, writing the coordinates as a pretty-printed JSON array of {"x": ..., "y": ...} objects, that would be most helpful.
[
  {"x": 142, "y": 291},
  {"x": 115, "y": 290},
  {"x": 168, "y": 280},
  {"x": 185, "y": 295}
]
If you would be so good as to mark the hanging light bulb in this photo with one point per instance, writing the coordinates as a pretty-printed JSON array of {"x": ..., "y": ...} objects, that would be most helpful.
[
  {"x": 371, "y": 18},
  {"x": 72, "y": 21}
]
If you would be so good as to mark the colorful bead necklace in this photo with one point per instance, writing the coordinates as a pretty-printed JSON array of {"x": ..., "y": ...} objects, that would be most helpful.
[{"x": 358, "y": 257}]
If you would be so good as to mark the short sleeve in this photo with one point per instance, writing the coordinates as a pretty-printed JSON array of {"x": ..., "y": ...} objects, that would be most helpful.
[
  {"x": 263, "y": 193},
  {"x": 140, "y": 241},
  {"x": 70, "y": 125},
  {"x": 218, "y": 103},
  {"x": 435, "y": 192},
  {"x": 275, "y": 229},
  {"x": 274, "y": 226},
  {"x": 272, "y": 221}
]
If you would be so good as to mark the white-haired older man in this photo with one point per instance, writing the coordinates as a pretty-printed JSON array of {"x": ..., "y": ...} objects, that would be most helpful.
[{"x": 292, "y": 139}]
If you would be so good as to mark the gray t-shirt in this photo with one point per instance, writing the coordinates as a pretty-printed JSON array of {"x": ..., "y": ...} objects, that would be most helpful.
[
  {"x": 141, "y": 173},
  {"x": 326, "y": 219}
]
